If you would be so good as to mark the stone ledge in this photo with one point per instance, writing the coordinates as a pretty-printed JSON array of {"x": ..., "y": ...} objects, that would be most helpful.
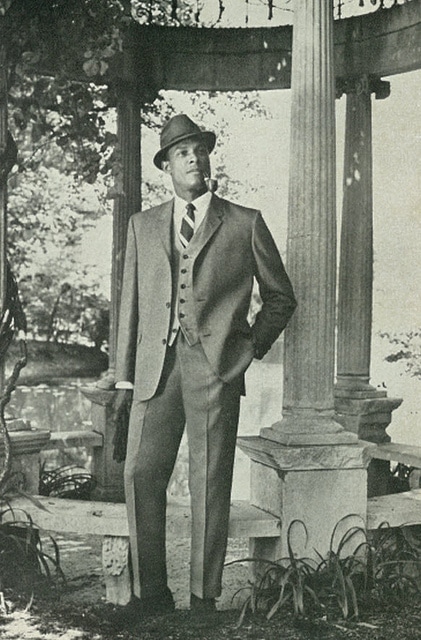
[
  {"x": 67, "y": 439},
  {"x": 395, "y": 510},
  {"x": 27, "y": 441},
  {"x": 393, "y": 451}
]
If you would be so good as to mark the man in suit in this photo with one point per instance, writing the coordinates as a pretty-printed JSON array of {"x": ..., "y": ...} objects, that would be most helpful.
[{"x": 184, "y": 344}]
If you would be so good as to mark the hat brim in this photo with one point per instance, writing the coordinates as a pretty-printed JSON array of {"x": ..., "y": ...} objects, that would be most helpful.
[{"x": 208, "y": 136}]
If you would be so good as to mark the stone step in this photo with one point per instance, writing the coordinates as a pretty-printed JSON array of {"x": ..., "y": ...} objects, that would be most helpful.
[
  {"x": 109, "y": 519},
  {"x": 405, "y": 453}
]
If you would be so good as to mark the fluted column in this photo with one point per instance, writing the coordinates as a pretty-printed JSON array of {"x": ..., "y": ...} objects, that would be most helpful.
[
  {"x": 355, "y": 296},
  {"x": 311, "y": 247},
  {"x": 360, "y": 408},
  {"x": 306, "y": 467}
]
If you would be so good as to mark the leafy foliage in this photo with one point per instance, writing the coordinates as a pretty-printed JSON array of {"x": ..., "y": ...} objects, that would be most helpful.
[
  {"x": 357, "y": 570},
  {"x": 27, "y": 563},
  {"x": 65, "y": 133},
  {"x": 69, "y": 481},
  {"x": 24, "y": 564},
  {"x": 406, "y": 348}
]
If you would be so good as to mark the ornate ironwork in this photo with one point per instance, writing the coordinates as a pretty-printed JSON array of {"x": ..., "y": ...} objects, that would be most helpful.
[{"x": 173, "y": 12}]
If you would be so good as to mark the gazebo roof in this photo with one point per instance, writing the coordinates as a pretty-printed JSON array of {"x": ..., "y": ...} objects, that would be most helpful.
[{"x": 382, "y": 43}]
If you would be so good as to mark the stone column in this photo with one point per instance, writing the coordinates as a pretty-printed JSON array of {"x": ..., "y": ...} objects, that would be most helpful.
[
  {"x": 355, "y": 297},
  {"x": 127, "y": 201},
  {"x": 359, "y": 407},
  {"x": 128, "y": 196},
  {"x": 311, "y": 248},
  {"x": 306, "y": 467}
]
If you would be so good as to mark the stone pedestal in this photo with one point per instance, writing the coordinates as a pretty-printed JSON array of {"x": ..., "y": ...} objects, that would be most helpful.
[
  {"x": 26, "y": 444},
  {"x": 312, "y": 490},
  {"x": 368, "y": 414},
  {"x": 107, "y": 472}
]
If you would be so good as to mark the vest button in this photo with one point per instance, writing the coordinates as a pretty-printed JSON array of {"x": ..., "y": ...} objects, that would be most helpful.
[
  {"x": 182, "y": 315},
  {"x": 182, "y": 300},
  {"x": 186, "y": 257},
  {"x": 183, "y": 286},
  {"x": 164, "y": 341},
  {"x": 183, "y": 270},
  {"x": 168, "y": 305}
]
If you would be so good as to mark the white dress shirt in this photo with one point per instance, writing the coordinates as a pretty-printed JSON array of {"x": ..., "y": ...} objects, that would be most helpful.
[{"x": 201, "y": 206}]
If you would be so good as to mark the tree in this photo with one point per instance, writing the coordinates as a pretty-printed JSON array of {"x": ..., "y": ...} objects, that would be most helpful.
[{"x": 64, "y": 131}]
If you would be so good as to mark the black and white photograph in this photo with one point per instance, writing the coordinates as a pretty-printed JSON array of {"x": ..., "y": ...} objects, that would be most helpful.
[{"x": 210, "y": 323}]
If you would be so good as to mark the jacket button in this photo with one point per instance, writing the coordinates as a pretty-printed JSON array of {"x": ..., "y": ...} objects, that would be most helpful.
[
  {"x": 168, "y": 305},
  {"x": 164, "y": 341},
  {"x": 182, "y": 315},
  {"x": 182, "y": 300}
]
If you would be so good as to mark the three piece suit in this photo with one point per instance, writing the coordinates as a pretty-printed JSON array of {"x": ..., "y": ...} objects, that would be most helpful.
[{"x": 185, "y": 343}]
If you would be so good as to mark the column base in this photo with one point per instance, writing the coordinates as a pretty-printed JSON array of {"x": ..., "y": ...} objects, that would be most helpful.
[
  {"x": 107, "y": 472},
  {"x": 356, "y": 386},
  {"x": 368, "y": 415},
  {"x": 314, "y": 491},
  {"x": 308, "y": 428}
]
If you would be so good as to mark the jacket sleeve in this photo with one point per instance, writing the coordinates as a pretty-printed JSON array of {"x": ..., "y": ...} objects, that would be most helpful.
[
  {"x": 128, "y": 315},
  {"x": 278, "y": 300}
]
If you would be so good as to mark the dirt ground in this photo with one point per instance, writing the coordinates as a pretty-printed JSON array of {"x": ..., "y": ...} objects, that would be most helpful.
[
  {"x": 80, "y": 558},
  {"x": 81, "y": 612}
]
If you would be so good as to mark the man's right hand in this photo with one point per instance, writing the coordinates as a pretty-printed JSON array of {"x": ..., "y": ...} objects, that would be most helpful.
[
  {"x": 122, "y": 405},
  {"x": 123, "y": 401}
]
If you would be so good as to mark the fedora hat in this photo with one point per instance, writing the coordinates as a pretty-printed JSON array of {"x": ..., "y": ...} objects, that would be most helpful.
[{"x": 179, "y": 128}]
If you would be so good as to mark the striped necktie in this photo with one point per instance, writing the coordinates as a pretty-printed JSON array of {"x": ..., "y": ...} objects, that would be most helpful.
[{"x": 187, "y": 225}]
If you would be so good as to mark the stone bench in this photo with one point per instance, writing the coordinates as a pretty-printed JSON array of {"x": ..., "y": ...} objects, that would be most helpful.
[
  {"x": 396, "y": 509},
  {"x": 407, "y": 454},
  {"x": 109, "y": 520}
]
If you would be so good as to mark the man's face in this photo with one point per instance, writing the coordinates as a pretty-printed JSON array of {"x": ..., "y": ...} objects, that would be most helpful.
[{"x": 188, "y": 164}]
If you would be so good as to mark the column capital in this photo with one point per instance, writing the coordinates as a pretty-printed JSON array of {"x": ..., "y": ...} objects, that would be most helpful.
[{"x": 364, "y": 84}]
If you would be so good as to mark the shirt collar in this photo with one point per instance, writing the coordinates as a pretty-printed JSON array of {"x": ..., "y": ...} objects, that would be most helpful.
[{"x": 201, "y": 207}]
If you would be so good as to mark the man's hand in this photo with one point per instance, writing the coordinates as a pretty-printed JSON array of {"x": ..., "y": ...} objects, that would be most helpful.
[
  {"x": 123, "y": 401},
  {"x": 122, "y": 405}
]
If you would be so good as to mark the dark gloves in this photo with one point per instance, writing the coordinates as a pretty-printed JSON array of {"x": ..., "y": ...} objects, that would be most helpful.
[{"x": 122, "y": 407}]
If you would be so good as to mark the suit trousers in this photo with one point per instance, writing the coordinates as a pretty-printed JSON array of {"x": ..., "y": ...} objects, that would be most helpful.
[{"x": 189, "y": 396}]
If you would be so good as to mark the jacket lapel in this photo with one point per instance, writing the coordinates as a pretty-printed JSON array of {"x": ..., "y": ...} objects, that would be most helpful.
[{"x": 162, "y": 223}]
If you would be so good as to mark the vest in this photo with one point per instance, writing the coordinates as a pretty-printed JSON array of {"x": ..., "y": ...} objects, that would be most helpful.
[{"x": 182, "y": 303}]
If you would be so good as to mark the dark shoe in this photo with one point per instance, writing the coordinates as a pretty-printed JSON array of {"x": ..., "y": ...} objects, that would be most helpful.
[
  {"x": 202, "y": 605},
  {"x": 139, "y": 609},
  {"x": 158, "y": 604}
]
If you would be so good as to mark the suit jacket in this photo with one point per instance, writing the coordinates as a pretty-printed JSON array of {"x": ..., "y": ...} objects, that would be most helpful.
[{"x": 235, "y": 246}]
